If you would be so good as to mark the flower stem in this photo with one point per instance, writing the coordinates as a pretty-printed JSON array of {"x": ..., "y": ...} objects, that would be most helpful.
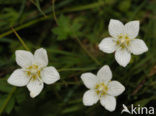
[
  {"x": 53, "y": 11},
  {"x": 20, "y": 39},
  {"x": 7, "y": 99},
  {"x": 88, "y": 53},
  {"x": 74, "y": 9},
  {"x": 77, "y": 69}
]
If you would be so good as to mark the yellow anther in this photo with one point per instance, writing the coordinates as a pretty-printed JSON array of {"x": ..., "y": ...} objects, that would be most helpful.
[
  {"x": 28, "y": 73},
  {"x": 34, "y": 77},
  {"x": 101, "y": 89},
  {"x": 126, "y": 37},
  {"x": 30, "y": 67},
  {"x": 35, "y": 66},
  {"x": 118, "y": 42},
  {"x": 123, "y": 40},
  {"x": 120, "y": 36},
  {"x": 33, "y": 71}
]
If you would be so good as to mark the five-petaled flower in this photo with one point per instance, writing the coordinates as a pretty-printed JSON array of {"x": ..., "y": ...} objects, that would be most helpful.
[
  {"x": 33, "y": 72},
  {"x": 123, "y": 41},
  {"x": 101, "y": 88}
]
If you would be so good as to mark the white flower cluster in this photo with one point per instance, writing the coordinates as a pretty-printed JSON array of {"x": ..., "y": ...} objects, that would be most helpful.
[{"x": 34, "y": 71}]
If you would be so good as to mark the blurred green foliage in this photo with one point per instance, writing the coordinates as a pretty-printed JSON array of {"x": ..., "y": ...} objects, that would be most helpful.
[{"x": 78, "y": 27}]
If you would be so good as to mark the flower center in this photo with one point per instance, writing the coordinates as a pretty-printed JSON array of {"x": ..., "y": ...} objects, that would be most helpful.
[
  {"x": 123, "y": 40},
  {"x": 33, "y": 71},
  {"x": 101, "y": 89}
]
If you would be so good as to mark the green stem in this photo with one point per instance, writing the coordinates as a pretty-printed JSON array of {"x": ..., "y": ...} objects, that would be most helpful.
[
  {"x": 14, "y": 88},
  {"x": 20, "y": 39},
  {"x": 85, "y": 7},
  {"x": 77, "y": 69},
  {"x": 78, "y": 8},
  {"x": 7, "y": 99},
  {"x": 88, "y": 53},
  {"x": 53, "y": 11},
  {"x": 25, "y": 26}
]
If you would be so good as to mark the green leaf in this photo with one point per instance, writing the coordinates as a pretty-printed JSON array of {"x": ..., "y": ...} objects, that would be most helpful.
[
  {"x": 67, "y": 28},
  {"x": 145, "y": 101},
  {"x": 10, "y": 105},
  {"x": 125, "y": 5},
  {"x": 4, "y": 86},
  {"x": 71, "y": 109}
]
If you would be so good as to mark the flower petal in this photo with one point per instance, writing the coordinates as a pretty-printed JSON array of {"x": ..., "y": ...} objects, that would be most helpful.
[
  {"x": 115, "y": 28},
  {"x": 132, "y": 29},
  {"x": 18, "y": 78},
  {"x": 137, "y": 46},
  {"x": 35, "y": 87},
  {"x": 40, "y": 57},
  {"x": 24, "y": 58},
  {"x": 104, "y": 74},
  {"x": 107, "y": 45},
  {"x": 109, "y": 102},
  {"x": 115, "y": 88},
  {"x": 50, "y": 75},
  {"x": 90, "y": 97},
  {"x": 89, "y": 80},
  {"x": 122, "y": 56}
]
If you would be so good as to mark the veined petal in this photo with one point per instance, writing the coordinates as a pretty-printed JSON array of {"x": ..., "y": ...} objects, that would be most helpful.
[
  {"x": 35, "y": 87},
  {"x": 40, "y": 57},
  {"x": 109, "y": 102},
  {"x": 122, "y": 56},
  {"x": 107, "y": 45},
  {"x": 104, "y": 74},
  {"x": 18, "y": 78},
  {"x": 24, "y": 58},
  {"x": 90, "y": 97},
  {"x": 50, "y": 75},
  {"x": 137, "y": 46},
  {"x": 115, "y": 88},
  {"x": 132, "y": 29},
  {"x": 115, "y": 28},
  {"x": 89, "y": 80}
]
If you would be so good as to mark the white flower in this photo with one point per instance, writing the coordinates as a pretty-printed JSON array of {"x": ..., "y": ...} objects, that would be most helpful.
[
  {"x": 101, "y": 88},
  {"x": 34, "y": 71},
  {"x": 123, "y": 41}
]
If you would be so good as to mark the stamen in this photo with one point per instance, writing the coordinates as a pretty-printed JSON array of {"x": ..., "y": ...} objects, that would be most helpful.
[
  {"x": 101, "y": 89},
  {"x": 33, "y": 71},
  {"x": 123, "y": 40}
]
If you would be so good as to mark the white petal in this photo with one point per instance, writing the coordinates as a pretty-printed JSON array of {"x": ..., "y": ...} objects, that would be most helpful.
[
  {"x": 35, "y": 87},
  {"x": 24, "y": 58},
  {"x": 122, "y": 56},
  {"x": 50, "y": 75},
  {"x": 137, "y": 46},
  {"x": 115, "y": 28},
  {"x": 132, "y": 29},
  {"x": 89, "y": 80},
  {"x": 18, "y": 78},
  {"x": 115, "y": 88},
  {"x": 40, "y": 57},
  {"x": 107, "y": 45},
  {"x": 109, "y": 102},
  {"x": 90, "y": 97},
  {"x": 104, "y": 74}
]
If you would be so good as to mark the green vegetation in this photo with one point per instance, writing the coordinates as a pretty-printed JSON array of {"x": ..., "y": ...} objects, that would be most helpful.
[{"x": 71, "y": 30}]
